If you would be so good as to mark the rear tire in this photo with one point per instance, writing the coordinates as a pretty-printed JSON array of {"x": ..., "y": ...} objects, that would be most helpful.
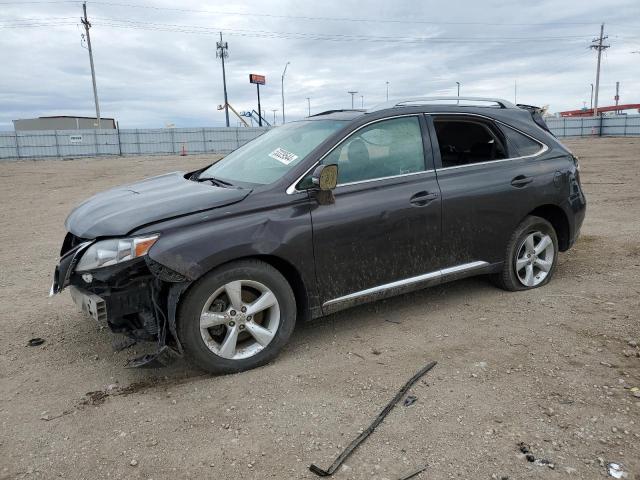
[
  {"x": 531, "y": 256},
  {"x": 237, "y": 317}
]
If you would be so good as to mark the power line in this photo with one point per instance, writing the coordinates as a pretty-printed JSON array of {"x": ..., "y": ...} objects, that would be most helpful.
[
  {"x": 196, "y": 29},
  {"x": 304, "y": 17},
  {"x": 324, "y": 18}
]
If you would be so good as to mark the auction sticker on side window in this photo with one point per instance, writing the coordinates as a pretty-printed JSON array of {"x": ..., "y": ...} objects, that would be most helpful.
[{"x": 283, "y": 156}]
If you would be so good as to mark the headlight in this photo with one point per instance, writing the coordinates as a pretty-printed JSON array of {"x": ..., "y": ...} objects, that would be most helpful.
[{"x": 117, "y": 250}]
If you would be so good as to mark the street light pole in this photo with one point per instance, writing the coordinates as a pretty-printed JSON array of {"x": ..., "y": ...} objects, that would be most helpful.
[
  {"x": 361, "y": 101},
  {"x": 274, "y": 110},
  {"x": 387, "y": 91},
  {"x": 458, "y": 83},
  {"x": 352, "y": 94},
  {"x": 309, "y": 105},
  {"x": 282, "y": 89}
]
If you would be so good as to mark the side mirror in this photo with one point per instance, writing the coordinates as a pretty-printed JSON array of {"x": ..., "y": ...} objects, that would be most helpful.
[{"x": 325, "y": 177}]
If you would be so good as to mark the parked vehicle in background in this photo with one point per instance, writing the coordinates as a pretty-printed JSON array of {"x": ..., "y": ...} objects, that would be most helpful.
[{"x": 315, "y": 216}]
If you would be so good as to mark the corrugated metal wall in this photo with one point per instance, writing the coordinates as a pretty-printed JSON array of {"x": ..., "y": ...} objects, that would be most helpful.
[
  {"x": 163, "y": 141},
  {"x": 90, "y": 143},
  {"x": 621, "y": 125}
]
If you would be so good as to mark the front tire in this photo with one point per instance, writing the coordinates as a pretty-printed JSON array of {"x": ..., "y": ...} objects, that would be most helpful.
[
  {"x": 237, "y": 317},
  {"x": 531, "y": 256}
]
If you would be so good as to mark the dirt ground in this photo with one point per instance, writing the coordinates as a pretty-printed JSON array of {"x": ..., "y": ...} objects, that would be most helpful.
[{"x": 554, "y": 367}]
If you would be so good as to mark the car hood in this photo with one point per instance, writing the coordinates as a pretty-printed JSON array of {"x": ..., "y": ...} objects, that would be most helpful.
[{"x": 122, "y": 209}]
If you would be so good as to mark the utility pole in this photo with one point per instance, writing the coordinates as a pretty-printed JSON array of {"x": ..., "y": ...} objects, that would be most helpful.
[
  {"x": 591, "y": 103},
  {"x": 309, "y": 105},
  {"x": 222, "y": 52},
  {"x": 387, "y": 91},
  {"x": 617, "y": 94},
  {"x": 458, "y": 101},
  {"x": 87, "y": 25},
  {"x": 274, "y": 110},
  {"x": 284, "y": 72},
  {"x": 352, "y": 94},
  {"x": 597, "y": 44}
]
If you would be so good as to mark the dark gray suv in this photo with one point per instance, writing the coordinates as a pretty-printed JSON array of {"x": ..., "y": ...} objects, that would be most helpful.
[{"x": 318, "y": 215}]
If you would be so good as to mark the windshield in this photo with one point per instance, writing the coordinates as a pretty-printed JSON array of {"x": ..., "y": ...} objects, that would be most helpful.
[{"x": 271, "y": 155}]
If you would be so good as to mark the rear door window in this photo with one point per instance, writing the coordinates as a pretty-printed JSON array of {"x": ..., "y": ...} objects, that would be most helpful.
[
  {"x": 467, "y": 140},
  {"x": 520, "y": 145}
]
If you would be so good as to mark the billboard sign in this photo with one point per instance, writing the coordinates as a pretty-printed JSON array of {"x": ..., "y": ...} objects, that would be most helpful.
[{"x": 255, "y": 78}]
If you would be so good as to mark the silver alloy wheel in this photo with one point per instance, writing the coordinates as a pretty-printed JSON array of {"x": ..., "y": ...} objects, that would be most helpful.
[
  {"x": 240, "y": 319},
  {"x": 534, "y": 259}
]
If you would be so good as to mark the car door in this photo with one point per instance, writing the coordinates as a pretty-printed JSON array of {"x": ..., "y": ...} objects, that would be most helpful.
[
  {"x": 384, "y": 224},
  {"x": 487, "y": 186}
]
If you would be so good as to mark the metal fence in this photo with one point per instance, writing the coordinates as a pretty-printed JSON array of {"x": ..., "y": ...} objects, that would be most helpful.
[
  {"x": 618, "y": 125},
  {"x": 167, "y": 141},
  {"x": 91, "y": 143}
]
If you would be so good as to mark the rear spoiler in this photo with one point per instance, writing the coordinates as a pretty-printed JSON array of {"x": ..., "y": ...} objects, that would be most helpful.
[{"x": 536, "y": 115}]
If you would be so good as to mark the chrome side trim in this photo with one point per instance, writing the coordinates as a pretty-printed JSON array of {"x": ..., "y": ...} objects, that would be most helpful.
[
  {"x": 543, "y": 149},
  {"x": 291, "y": 189},
  {"x": 407, "y": 282},
  {"x": 463, "y": 268},
  {"x": 384, "y": 178}
]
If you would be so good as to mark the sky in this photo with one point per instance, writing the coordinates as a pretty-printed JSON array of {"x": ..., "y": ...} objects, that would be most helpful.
[{"x": 156, "y": 62}]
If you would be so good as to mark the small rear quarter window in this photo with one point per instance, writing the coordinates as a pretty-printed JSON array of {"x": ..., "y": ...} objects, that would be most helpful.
[{"x": 520, "y": 145}]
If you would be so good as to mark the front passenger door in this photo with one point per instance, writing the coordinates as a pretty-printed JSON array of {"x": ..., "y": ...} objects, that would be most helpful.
[{"x": 384, "y": 226}]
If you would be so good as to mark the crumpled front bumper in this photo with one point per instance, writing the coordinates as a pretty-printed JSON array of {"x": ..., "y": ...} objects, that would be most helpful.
[
  {"x": 137, "y": 298},
  {"x": 64, "y": 269}
]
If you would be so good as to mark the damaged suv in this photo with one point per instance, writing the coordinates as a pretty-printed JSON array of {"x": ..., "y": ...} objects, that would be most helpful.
[{"x": 318, "y": 215}]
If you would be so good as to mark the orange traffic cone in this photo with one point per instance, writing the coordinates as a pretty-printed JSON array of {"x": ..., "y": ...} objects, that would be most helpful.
[{"x": 183, "y": 152}]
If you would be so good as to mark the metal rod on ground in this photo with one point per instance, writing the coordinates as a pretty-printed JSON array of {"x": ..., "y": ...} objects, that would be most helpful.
[
  {"x": 87, "y": 26},
  {"x": 361, "y": 438},
  {"x": 413, "y": 473}
]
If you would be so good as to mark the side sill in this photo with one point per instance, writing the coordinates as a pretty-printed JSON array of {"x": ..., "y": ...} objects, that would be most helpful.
[{"x": 407, "y": 285}]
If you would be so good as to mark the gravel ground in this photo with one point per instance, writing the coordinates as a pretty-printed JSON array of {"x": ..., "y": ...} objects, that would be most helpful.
[{"x": 554, "y": 368}]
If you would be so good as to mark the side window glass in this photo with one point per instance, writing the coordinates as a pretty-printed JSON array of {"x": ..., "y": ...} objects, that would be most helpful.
[
  {"x": 520, "y": 145},
  {"x": 382, "y": 149},
  {"x": 464, "y": 142}
]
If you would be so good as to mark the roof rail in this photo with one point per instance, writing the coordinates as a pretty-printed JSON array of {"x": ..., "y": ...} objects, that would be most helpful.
[{"x": 411, "y": 102}]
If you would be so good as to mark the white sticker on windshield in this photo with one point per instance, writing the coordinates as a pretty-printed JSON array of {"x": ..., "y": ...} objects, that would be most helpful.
[{"x": 283, "y": 156}]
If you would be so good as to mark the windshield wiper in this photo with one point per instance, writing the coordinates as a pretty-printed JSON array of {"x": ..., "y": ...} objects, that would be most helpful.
[{"x": 216, "y": 181}]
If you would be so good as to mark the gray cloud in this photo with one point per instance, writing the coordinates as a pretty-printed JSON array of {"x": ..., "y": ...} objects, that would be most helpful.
[{"x": 149, "y": 77}]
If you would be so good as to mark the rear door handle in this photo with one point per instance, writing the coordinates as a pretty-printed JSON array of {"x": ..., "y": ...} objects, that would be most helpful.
[
  {"x": 521, "y": 181},
  {"x": 421, "y": 199}
]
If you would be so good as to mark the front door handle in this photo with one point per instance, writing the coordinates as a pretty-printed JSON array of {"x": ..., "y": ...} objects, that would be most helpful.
[
  {"x": 421, "y": 199},
  {"x": 521, "y": 181}
]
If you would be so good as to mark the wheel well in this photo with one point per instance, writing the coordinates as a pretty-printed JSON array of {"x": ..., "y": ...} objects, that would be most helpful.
[
  {"x": 289, "y": 272},
  {"x": 295, "y": 281},
  {"x": 558, "y": 219}
]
